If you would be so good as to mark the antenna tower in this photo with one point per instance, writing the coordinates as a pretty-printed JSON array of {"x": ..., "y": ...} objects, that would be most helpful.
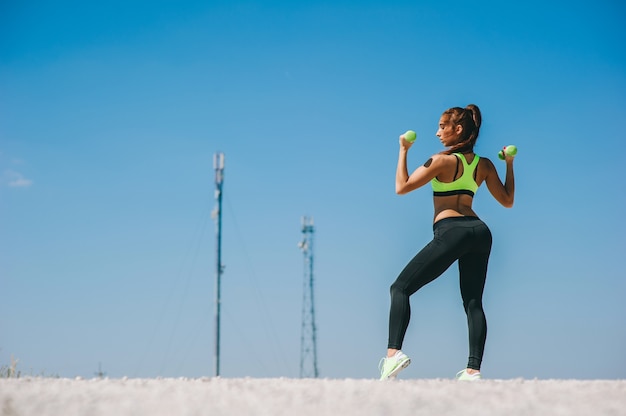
[
  {"x": 308, "y": 340},
  {"x": 218, "y": 165}
]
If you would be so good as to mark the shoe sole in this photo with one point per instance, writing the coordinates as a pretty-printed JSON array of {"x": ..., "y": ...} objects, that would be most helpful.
[
  {"x": 469, "y": 379},
  {"x": 466, "y": 377},
  {"x": 399, "y": 368}
]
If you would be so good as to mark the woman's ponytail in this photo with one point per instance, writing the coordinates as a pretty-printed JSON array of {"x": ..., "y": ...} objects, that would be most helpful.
[{"x": 470, "y": 119}]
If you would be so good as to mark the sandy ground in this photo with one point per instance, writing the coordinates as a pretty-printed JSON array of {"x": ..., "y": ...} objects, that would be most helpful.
[{"x": 303, "y": 397}]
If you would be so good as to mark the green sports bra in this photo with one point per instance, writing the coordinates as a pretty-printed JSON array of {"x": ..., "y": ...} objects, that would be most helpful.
[{"x": 464, "y": 185}]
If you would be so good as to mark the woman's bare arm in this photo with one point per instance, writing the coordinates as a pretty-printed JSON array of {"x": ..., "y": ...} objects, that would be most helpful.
[
  {"x": 406, "y": 183},
  {"x": 503, "y": 193}
]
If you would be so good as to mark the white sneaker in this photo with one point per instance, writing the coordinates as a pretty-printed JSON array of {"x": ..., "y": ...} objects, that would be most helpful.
[
  {"x": 390, "y": 366},
  {"x": 463, "y": 375}
]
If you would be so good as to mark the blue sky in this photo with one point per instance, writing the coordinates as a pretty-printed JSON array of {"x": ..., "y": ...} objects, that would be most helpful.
[{"x": 110, "y": 114}]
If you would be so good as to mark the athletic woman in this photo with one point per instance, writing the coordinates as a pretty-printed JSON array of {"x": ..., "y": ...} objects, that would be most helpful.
[{"x": 459, "y": 235}]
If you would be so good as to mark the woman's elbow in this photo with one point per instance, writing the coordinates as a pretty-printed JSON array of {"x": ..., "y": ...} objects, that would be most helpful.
[
  {"x": 401, "y": 190},
  {"x": 508, "y": 202}
]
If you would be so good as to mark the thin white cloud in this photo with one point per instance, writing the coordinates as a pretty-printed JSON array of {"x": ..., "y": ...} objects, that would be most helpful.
[{"x": 17, "y": 180}]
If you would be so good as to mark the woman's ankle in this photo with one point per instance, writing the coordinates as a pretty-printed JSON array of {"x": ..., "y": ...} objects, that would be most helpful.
[{"x": 391, "y": 352}]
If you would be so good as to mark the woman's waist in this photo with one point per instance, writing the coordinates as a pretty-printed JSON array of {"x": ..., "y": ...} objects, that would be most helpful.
[
  {"x": 460, "y": 212},
  {"x": 463, "y": 221}
]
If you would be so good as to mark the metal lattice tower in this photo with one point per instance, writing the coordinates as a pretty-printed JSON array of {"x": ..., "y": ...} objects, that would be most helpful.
[
  {"x": 308, "y": 340},
  {"x": 218, "y": 165}
]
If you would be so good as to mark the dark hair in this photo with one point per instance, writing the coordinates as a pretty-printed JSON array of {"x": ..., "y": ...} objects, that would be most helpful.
[{"x": 470, "y": 119}]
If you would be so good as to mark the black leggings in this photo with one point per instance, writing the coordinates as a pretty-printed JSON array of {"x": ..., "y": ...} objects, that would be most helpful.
[{"x": 466, "y": 239}]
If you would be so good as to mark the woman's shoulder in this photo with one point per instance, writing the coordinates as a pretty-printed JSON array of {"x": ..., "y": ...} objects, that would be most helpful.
[
  {"x": 440, "y": 161},
  {"x": 485, "y": 167},
  {"x": 485, "y": 161},
  {"x": 443, "y": 158}
]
